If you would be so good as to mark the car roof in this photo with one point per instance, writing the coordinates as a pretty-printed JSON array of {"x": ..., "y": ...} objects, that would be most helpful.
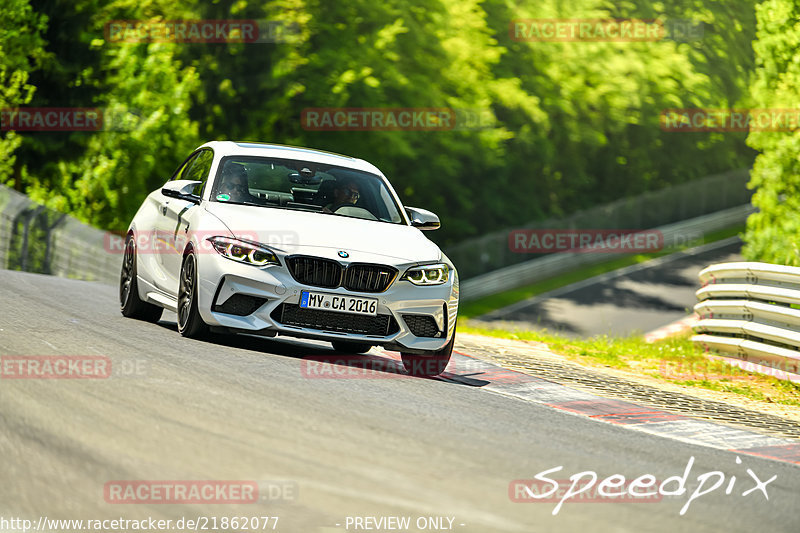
[{"x": 280, "y": 151}]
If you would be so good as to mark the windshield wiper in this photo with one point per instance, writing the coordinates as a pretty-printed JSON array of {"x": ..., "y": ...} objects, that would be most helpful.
[
  {"x": 251, "y": 203},
  {"x": 289, "y": 205}
]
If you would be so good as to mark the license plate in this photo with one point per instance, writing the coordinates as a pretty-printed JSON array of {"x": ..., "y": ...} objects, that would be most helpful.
[{"x": 339, "y": 303}]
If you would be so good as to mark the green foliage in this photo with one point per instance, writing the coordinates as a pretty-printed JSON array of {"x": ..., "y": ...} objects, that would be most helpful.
[
  {"x": 675, "y": 360},
  {"x": 146, "y": 127},
  {"x": 577, "y": 124},
  {"x": 21, "y": 51},
  {"x": 144, "y": 92},
  {"x": 772, "y": 232}
]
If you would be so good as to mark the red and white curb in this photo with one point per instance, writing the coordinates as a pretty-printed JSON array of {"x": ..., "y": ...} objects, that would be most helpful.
[{"x": 466, "y": 369}]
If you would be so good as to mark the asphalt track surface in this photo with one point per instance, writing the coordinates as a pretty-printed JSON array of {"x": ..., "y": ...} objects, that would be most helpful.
[
  {"x": 246, "y": 408},
  {"x": 643, "y": 298}
]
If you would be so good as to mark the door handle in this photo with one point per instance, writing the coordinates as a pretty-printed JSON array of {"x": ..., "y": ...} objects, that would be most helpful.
[{"x": 164, "y": 208}]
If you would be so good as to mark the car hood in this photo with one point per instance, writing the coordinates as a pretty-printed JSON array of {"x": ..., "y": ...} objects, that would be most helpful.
[{"x": 325, "y": 235}]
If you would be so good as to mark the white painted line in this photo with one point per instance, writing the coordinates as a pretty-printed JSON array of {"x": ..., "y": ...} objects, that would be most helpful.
[{"x": 711, "y": 434}]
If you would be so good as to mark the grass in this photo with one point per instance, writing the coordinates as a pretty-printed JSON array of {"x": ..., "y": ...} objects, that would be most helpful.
[
  {"x": 498, "y": 301},
  {"x": 674, "y": 360}
]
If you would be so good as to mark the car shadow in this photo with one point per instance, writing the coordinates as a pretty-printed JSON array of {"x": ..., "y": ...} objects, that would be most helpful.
[{"x": 327, "y": 363}]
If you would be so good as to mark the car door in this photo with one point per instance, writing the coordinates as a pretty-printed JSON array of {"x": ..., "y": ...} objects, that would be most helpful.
[
  {"x": 159, "y": 235},
  {"x": 173, "y": 226}
]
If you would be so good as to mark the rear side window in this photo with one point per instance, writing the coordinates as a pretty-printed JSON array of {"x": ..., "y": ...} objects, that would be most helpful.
[
  {"x": 197, "y": 169},
  {"x": 184, "y": 167}
]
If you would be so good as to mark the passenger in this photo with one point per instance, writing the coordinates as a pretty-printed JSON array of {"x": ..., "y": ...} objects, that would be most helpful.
[{"x": 235, "y": 185}]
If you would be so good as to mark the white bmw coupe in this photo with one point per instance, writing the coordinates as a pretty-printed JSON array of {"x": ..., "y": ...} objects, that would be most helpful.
[{"x": 277, "y": 240}]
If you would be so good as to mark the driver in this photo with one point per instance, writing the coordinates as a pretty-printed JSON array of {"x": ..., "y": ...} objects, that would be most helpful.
[
  {"x": 344, "y": 193},
  {"x": 235, "y": 184}
]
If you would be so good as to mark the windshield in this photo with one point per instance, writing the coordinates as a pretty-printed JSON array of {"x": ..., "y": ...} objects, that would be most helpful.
[{"x": 304, "y": 186}]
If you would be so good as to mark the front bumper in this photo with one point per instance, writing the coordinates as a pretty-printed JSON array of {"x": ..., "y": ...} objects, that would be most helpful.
[{"x": 265, "y": 300}]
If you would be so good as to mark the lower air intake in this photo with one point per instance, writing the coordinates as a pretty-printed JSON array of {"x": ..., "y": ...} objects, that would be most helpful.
[
  {"x": 294, "y": 315},
  {"x": 240, "y": 305},
  {"x": 422, "y": 325}
]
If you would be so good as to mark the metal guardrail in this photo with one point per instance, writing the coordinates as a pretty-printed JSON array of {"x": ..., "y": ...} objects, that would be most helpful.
[
  {"x": 535, "y": 270},
  {"x": 36, "y": 239},
  {"x": 751, "y": 312},
  {"x": 490, "y": 252}
]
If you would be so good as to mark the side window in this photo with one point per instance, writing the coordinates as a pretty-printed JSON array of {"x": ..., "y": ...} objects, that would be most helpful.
[
  {"x": 184, "y": 167},
  {"x": 197, "y": 170}
]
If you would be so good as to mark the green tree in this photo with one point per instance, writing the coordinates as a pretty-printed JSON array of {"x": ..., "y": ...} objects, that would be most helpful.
[
  {"x": 145, "y": 92},
  {"x": 21, "y": 50},
  {"x": 577, "y": 124},
  {"x": 771, "y": 234}
]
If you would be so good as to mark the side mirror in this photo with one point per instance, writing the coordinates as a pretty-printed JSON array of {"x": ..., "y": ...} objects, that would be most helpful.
[
  {"x": 423, "y": 219},
  {"x": 182, "y": 190}
]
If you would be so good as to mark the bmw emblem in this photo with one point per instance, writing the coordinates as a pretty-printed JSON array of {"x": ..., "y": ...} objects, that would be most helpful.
[{"x": 343, "y": 254}]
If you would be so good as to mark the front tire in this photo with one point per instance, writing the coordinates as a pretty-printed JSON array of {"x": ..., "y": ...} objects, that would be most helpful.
[
  {"x": 190, "y": 324},
  {"x": 429, "y": 365},
  {"x": 131, "y": 305}
]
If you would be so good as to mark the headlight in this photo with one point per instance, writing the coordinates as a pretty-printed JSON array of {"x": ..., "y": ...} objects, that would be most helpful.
[
  {"x": 428, "y": 275},
  {"x": 243, "y": 251}
]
